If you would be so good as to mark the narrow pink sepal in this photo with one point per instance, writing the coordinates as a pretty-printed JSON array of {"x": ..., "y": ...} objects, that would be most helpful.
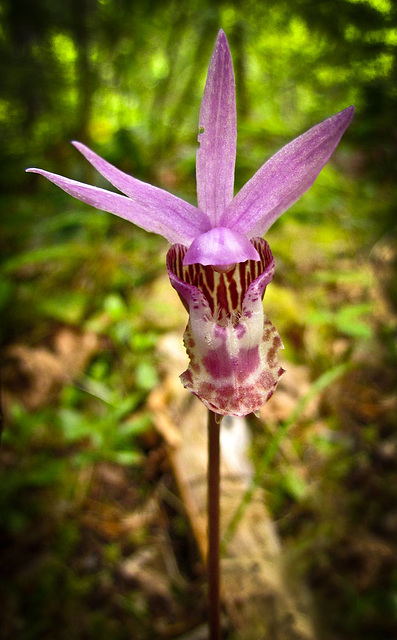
[
  {"x": 284, "y": 178},
  {"x": 220, "y": 247},
  {"x": 149, "y": 216},
  {"x": 175, "y": 213},
  {"x": 216, "y": 156}
]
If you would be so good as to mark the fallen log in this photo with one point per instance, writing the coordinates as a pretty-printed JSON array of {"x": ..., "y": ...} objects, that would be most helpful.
[{"x": 258, "y": 596}]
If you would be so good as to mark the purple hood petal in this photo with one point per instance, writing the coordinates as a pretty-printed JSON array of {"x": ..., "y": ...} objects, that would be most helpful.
[{"x": 220, "y": 247}]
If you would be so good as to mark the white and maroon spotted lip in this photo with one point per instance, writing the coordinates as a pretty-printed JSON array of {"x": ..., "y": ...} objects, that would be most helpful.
[{"x": 232, "y": 346}]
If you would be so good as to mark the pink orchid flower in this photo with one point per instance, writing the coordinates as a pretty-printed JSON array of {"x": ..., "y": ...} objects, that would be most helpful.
[{"x": 218, "y": 263}]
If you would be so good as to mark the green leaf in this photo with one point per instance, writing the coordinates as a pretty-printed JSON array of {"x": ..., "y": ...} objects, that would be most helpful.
[
  {"x": 115, "y": 306},
  {"x": 70, "y": 251},
  {"x": 294, "y": 484},
  {"x": 146, "y": 376},
  {"x": 127, "y": 458},
  {"x": 137, "y": 426},
  {"x": 67, "y": 307},
  {"x": 74, "y": 425},
  {"x": 348, "y": 321}
]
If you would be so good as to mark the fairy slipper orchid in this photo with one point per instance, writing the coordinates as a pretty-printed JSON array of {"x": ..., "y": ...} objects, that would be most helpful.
[{"x": 217, "y": 262}]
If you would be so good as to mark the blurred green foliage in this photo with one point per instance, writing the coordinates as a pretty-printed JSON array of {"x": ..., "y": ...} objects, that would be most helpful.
[{"x": 127, "y": 78}]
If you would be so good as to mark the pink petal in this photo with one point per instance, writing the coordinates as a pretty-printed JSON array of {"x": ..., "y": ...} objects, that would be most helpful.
[
  {"x": 174, "y": 210},
  {"x": 166, "y": 217},
  {"x": 232, "y": 346},
  {"x": 284, "y": 178},
  {"x": 220, "y": 247},
  {"x": 216, "y": 156}
]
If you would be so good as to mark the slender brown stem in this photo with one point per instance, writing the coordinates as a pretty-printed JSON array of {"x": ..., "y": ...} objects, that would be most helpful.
[{"x": 213, "y": 526}]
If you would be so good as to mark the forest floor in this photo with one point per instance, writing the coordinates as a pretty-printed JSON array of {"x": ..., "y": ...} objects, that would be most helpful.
[{"x": 94, "y": 538}]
